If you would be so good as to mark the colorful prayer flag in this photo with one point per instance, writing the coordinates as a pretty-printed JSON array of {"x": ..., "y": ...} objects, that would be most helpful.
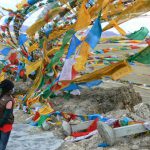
[
  {"x": 75, "y": 42},
  {"x": 5, "y": 51},
  {"x": 84, "y": 18},
  {"x": 142, "y": 57},
  {"x": 94, "y": 34},
  {"x": 22, "y": 39}
]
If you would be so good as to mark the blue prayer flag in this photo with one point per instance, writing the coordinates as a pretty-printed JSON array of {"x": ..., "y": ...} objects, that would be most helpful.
[
  {"x": 103, "y": 145},
  {"x": 6, "y": 21},
  {"x": 5, "y": 51},
  {"x": 22, "y": 39},
  {"x": 94, "y": 34},
  {"x": 91, "y": 83},
  {"x": 75, "y": 42},
  {"x": 32, "y": 2},
  {"x": 71, "y": 87},
  {"x": 47, "y": 31}
]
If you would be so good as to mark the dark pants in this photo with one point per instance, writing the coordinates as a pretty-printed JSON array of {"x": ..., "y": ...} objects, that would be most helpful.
[{"x": 4, "y": 137}]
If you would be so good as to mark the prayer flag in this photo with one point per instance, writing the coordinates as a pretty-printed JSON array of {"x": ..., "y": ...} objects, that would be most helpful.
[
  {"x": 22, "y": 39},
  {"x": 142, "y": 57},
  {"x": 75, "y": 42},
  {"x": 94, "y": 34},
  {"x": 5, "y": 51},
  {"x": 84, "y": 18},
  {"x": 32, "y": 2}
]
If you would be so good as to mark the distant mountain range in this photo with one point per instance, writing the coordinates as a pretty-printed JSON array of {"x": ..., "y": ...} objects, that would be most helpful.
[{"x": 109, "y": 34}]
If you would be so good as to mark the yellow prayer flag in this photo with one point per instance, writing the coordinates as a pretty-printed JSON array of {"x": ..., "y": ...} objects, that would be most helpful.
[
  {"x": 120, "y": 30},
  {"x": 120, "y": 5},
  {"x": 25, "y": 60},
  {"x": 105, "y": 13},
  {"x": 94, "y": 10},
  {"x": 64, "y": 1},
  {"x": 105, "y": 3},
  {"x": 35, "y": 27},
  {"x": 53, "y": 50},
  {"x": 2, "y": 76},
  {"x": 58, "y": 32},
  {"x": 36, "y": 83},
  {"x": 123, "y": 71},
  {"x": 116, "y": 71},
  {"x": 84, "y": 18},
  {"x": 82, "y": 58},
  {"x": 132, "y": 11},
  {"x": 32, "y": 101},
  {"x": 46, "y": 110},
  {"x": 45, "y": 50},
  {"x": 33, "y": 66},
  {"x": 33, "y": 47}
]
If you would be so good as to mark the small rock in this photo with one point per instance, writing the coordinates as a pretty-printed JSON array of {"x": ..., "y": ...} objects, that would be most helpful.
[
  {"x": 113, "y": 149},
  {"x": 135, "y": 147},
  {"x": 143, "y": 110}
]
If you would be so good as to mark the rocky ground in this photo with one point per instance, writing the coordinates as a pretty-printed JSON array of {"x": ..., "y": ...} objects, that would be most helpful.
[
  {"x": 25, "y": 137},
  {"x": 100, "y": 100},
  {"x": 141, "y": 112}
]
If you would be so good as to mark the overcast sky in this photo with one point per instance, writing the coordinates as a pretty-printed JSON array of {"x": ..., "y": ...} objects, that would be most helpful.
[
  {"x": 135, "y": 24},
  {"x": 9, "y": 3}
]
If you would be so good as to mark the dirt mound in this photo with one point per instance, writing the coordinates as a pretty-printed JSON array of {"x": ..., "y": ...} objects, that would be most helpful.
[{"x": 101, "y": 100}]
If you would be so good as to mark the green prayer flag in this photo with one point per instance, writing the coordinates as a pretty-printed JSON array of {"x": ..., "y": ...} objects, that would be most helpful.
[
  {"x": 142, "y": 57},
  {"x": 59, "y": 54},
  {"x": 139, "y": 35},
  {"x": 42, "y": 119},
  {"x": 46, "y": 93},
  {"x": 112, "y": 59},
  {"x": 42, "y": 83},
  {"x": 41, "y": 43}
]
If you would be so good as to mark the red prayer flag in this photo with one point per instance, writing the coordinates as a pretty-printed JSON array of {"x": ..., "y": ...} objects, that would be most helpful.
[{"x": 91, "y": 128}]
